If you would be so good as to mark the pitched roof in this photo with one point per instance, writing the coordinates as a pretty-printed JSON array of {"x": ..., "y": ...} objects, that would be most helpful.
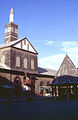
[
  {"x": 11, "y": 44},
  {"x": 65, "y": 80},
  {"x": 42, "y": 71},
  {"x": 46, "y": 71},
  {"x": 67, "y": 68}
]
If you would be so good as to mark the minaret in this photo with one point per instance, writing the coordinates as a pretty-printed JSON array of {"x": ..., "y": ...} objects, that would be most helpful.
[
  {"x": 11, "y": 29},
  {"x": 11, "y": 17}
]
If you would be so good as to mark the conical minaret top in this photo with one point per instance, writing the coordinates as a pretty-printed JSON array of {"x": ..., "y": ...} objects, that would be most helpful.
[{"x": 11, "y": 18}]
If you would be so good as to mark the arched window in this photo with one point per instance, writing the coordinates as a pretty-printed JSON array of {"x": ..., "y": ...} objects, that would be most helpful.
[
  {"x": 17, "y": 80},
  {"x": 32, "y": 63},
  {"x": 3, "y": 59},
  {"x": 25, "y": 62},
  {"x": 18, "y": 61}
]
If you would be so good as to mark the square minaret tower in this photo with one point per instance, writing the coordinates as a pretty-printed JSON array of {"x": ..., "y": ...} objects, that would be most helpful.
[{"x": 11, "y": 29}]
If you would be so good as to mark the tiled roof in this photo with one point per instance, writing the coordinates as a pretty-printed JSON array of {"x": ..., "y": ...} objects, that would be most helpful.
[
  {"x": 42, "y": 71},
  {"x": 67, "y": 68},
  {"x": 67, "y": 73},
  {"x": 65, "y": 80},
  {"x": 10, "y": 43},
  {"x": 45, "y": 71}
]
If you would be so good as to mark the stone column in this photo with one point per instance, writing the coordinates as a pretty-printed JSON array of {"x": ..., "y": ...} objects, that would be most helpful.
[
  {"x": 59, "y": 91},
  {"x": 52, "y": 92},
  {"x": 67, "y": 93},
  {"x": 55, "y": 93}
]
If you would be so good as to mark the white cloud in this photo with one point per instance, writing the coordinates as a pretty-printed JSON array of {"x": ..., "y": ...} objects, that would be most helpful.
[
  {"x": 69, "y": 43},
  {"x": 71, "y": 47},
  {"x": 49, "y": 43},
  {"x": 54, "y": 61}
]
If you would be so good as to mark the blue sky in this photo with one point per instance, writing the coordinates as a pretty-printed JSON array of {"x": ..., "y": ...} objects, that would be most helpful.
[{"x": 50, "y": 25}]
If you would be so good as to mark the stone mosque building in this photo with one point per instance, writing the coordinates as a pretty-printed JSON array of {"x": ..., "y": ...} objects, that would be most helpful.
[
  {"x": 19, "y": 68},
  {"x": 19, "y": 63}
]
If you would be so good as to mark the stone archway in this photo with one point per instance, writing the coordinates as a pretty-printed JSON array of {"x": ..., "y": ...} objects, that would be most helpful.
[
  {"x": 17, "y": 85},
  {"x": 45, "y": 89}
]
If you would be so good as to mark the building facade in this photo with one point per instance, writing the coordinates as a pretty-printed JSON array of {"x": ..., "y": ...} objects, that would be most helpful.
[{"x": 19, "y": 62}]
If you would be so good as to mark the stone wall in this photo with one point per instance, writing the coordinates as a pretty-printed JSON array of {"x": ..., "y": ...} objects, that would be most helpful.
[
  {"x": 11, "y": 77},
  {"x": 22, "y": 54},
  {"x": 5, "y": 52},
  {"x": 6, "y": 75},
  {"x": 10, "y": 34},
  {"x": 10, "y": 59}
]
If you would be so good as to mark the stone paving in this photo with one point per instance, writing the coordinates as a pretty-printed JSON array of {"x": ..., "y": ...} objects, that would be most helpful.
[{"x": 40, "y": 110}]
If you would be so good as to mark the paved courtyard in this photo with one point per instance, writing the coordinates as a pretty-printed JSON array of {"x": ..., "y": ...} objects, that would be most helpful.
[{"x": 40, "y": 110}]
